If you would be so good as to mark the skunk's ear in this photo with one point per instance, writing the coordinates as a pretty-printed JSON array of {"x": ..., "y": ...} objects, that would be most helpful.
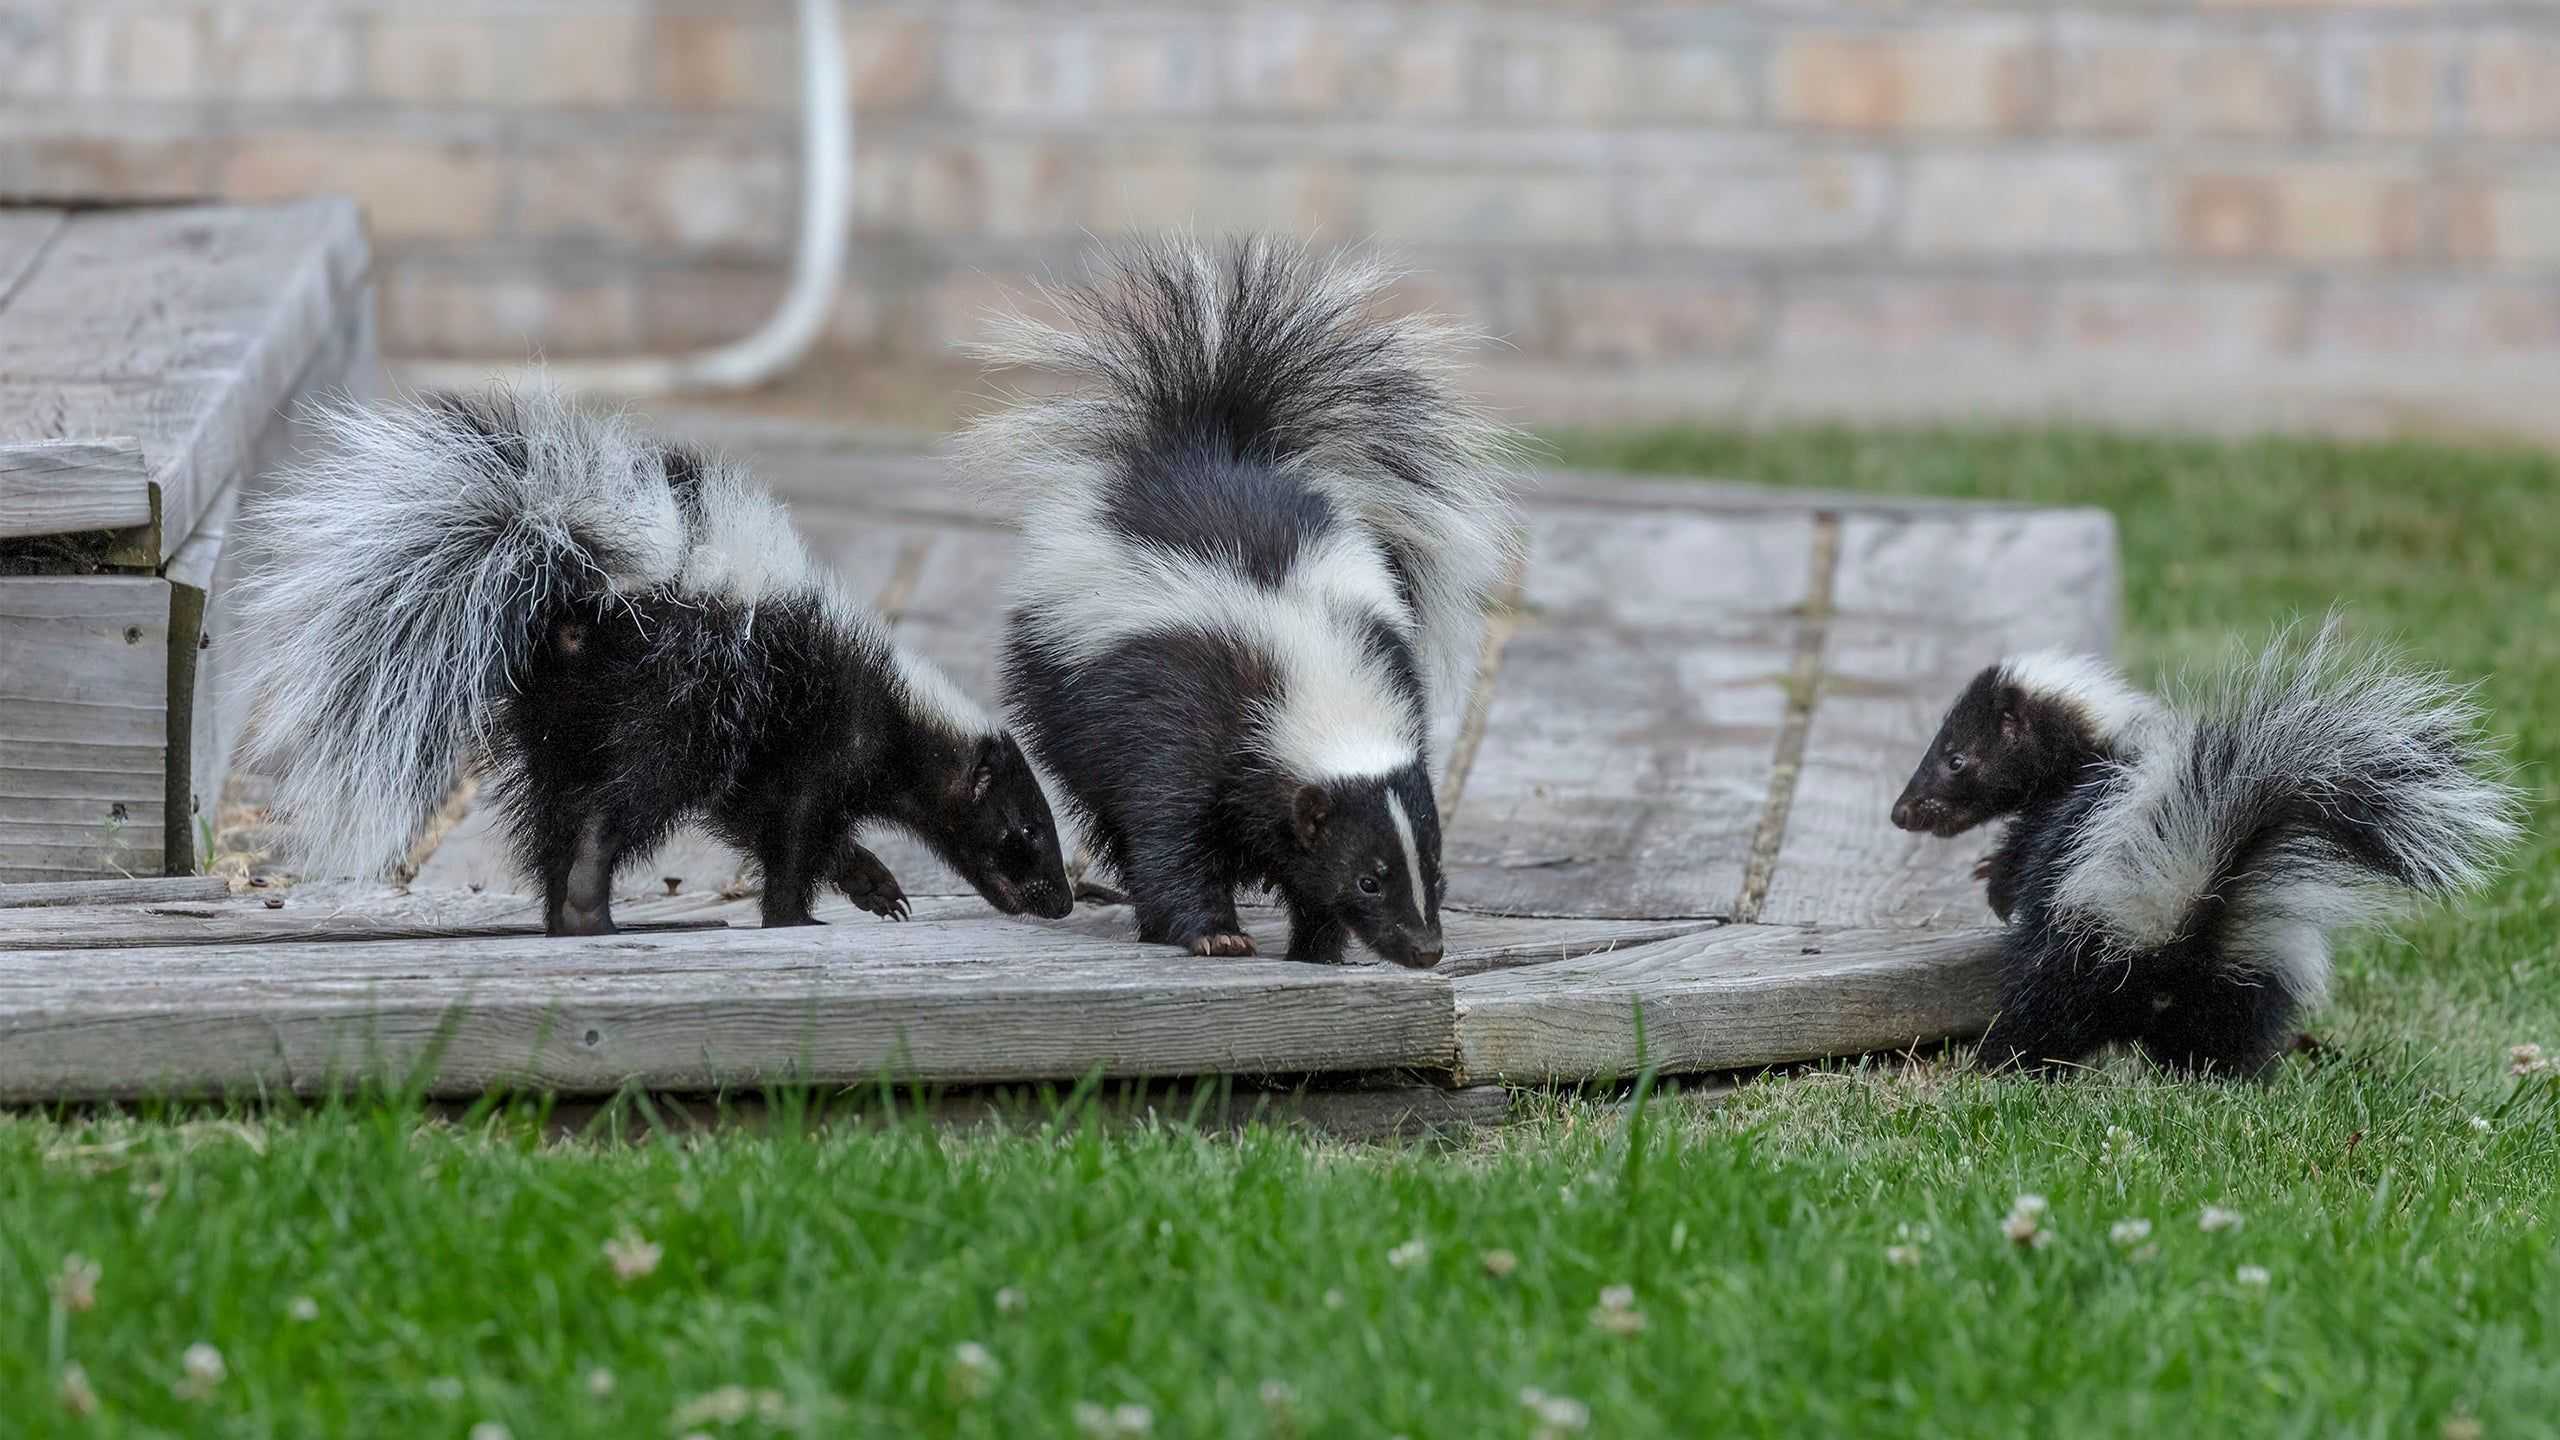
[
  {"x": 1312, "y": 808},
  {"x": 982, "y": 769},
  {"x": 2012, "y": 712}
]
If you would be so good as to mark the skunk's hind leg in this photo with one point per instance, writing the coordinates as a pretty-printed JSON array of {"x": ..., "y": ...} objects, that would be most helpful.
[
  {"x": 2219, "y": 1025},
  {"x": 800, "y": 843},
  {"x": 2057, "y": 1004}
]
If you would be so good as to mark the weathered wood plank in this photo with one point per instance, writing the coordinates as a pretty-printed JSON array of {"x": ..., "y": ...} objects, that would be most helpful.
[
  {"x": 183, "y": 326},
  {"x": 25, "y": 232},
  {"x": 1743, "y": 995},
  {"x": 84, "y": 702},
  {"x": 84, "y": 895},
  {"x": 1920, "y": 605},
  {"x": 65, "y": 487},
  {"x": 1628, "y": 747},
  {"x": 689, "y": 1011}
]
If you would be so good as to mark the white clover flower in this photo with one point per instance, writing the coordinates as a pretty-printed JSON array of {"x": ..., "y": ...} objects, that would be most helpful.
[
  {"x": 2129, "y": 1232},
  {"x": 2215, "y": 1219},
  {"x": 2253, "y": 1276},
  {"x": 1409, "y": 1254},
  {"x": 632, "y": 1256}
]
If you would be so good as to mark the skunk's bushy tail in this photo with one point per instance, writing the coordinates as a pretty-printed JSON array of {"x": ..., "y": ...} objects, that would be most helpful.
[
  {"x": 1268, "y": 351},
  {"x": 2318, "y": 786},
  {"x": 403, "y": 578}
]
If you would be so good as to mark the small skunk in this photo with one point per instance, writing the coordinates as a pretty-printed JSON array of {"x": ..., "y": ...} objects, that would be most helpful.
[
  {"x": 2170, "y": 874},
  {"x": 629, "y": 635},
  {"x": 1258, "y": 551}
]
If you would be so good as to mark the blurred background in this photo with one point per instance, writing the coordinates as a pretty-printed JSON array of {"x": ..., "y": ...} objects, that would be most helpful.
[{"x": 2217, "y": 214}]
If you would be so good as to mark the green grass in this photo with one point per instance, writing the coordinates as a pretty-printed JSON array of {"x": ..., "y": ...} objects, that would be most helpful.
[{"x": 2412, "y": 1258}]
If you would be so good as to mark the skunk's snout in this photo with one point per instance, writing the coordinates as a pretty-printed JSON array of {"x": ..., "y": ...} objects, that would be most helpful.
[{"x": 1911, "y": 814}]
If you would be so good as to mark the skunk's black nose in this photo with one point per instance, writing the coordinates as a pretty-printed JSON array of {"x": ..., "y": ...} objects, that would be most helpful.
[{"x": 1903, "y": 816}]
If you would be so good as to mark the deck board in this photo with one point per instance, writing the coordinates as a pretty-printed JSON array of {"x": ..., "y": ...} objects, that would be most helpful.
[
  {"x": 1634, "y": 722},
  {"x": 1682, "y": 657}
]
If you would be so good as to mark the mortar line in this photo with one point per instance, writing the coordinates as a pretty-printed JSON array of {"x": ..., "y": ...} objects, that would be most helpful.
[{"x": 1804, "y": 684}]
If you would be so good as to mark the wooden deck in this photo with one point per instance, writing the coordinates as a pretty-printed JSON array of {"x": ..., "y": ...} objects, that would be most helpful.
[{"x": 1669, "y": 803}]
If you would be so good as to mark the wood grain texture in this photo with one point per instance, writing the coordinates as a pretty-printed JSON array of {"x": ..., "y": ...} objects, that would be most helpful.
[
  {"x": 84, "y": 713},
  {"x": 689, "y": 1011},
  {"x": 66, "y": 487},
  {"x": 1920, "y": 605},
  {"x": 1742, "y": 995},
  {"x": 96, "y": 895},
  {"x": 1628, "y": 747},
  {"x": 25, "y": 234},
  {"x": 185, "y": 327}
]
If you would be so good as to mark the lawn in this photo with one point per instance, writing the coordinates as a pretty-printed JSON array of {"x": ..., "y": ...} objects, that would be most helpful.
[{"x": 2362, "y": 1245}]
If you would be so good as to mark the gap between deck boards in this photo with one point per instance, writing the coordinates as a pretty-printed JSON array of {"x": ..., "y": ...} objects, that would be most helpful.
[{"x": 1804, "y": 692}]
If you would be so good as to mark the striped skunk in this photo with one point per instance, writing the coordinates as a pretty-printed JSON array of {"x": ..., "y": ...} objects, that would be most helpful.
[
  {"x": 629, "y": 635},
  {"x": 2170, "y": 874},
  {"x": 1258, "y": 550}
]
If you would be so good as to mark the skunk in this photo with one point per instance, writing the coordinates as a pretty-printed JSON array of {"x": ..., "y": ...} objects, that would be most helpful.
[
  {"x": 2170, "y": 873},
  {"x": 1258, "y": 550},
  {"x": 627, "y": 635}
]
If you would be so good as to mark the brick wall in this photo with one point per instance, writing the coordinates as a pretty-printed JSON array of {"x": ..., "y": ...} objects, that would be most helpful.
[{"x": 2223, "y": 211}]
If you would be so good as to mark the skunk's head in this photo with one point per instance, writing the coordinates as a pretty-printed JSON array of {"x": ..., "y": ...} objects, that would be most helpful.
[
  {"x": 1367, "y": 852},
  {"x": 2023, "y": 729},
  {"x": 989, "y": 820}
]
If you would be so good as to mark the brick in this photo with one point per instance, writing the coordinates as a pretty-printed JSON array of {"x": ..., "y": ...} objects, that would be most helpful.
[
  {"x": 698, "y": 198},
  {"x": 891, "y": 61},
  {"x": 2512, "y": 86},
  {"x": 1023, "y": 72},
  {"x": 431, "y": 310},
  {"x": 697, "y": 306},
  {"x": 1766, "y": 201},
  {"x": 1688, "y": 78},
  {"x": 2183, "y": 319},
  {"x": 86, "y": 167},
  {"x": 2148, "y": 79},
  {"x": 2511, "y": 222},
  {"x": 2316, "y": 211},
  {"x": 1908, "y": 315},
  {"x": 1426, "y": 71},
  {"x": 1166, "y": 71},
  {"x": 1974, "y": 77},
  {"x": 1577, "y": 73},
  {"x": 160, "y": 55},
  {"x": 35, "y": 51},
  {"x": 952, "y": 311},
  {"x": 410, "y": 190},
  {"x": 586, "y": 60},
  {"x": 1442, "y": 207},
  {"x": 1648, "y": 319},
  {"x": 1166, "y": 187},
  {"x": 1282, "y": 61},
  {"x": 2040, "y": 203},
  {"x": 2400, "y": 86},
  {"x": 969, "y": 186},
  {"x": 723, "y": 62},
  {"x": 433, "y": 61},
  {"x": 2457, "y": 319},
  {"x": 259, "y": 54}
]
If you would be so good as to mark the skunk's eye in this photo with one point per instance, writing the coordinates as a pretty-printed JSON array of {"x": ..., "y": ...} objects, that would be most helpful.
[
  {"x": 1369, "y": 885},
  {"x": 1955, "y": 763}
]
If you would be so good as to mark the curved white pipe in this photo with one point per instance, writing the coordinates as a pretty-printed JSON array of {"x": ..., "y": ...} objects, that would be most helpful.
[{"x": 817, "y": 265}]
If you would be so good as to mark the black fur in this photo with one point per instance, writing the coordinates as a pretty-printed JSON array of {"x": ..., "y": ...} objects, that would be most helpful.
[
  {"x": 1153, "y": 742},
  {"x": 2003, "y": 751},
  {"x": 2068, "y": 986},
  {"x": 783, "y": 727}
]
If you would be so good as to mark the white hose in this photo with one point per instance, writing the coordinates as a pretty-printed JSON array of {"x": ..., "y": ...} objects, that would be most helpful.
[{"x": 817, "y": 265}]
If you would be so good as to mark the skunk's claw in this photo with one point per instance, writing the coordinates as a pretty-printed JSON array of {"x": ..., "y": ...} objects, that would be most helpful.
[{"x": 869, "y": 885}]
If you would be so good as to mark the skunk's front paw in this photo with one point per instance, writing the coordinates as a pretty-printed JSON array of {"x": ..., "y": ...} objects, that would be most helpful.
[
  {"x": 869, "y": 885},
  {"x": 1222, "y": 943},
  {"x": 1982, "y": 868}
]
